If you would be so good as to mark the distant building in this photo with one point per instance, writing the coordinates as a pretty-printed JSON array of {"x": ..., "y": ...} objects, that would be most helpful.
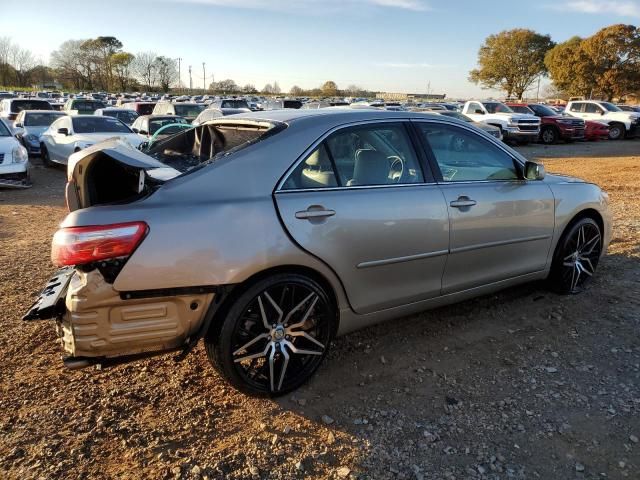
[{"x": 399, "y": 97}]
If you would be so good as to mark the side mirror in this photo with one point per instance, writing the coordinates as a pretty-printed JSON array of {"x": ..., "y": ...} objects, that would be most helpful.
[
  {"x": 533, "y": 171},
  {"x": 601, "y": 112},
  {"x": 17, "y": 125},
  {"x": 63, "y": 131},
  {"x": 135, "y": 130},
  {"x": 142, "y": 132},
  {"x": 479, "y": 112}
]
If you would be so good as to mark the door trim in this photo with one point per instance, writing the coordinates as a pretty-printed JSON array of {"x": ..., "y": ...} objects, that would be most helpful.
[
  {"x": 499, "y": 243},
  {"x": 408, "y": 258}
]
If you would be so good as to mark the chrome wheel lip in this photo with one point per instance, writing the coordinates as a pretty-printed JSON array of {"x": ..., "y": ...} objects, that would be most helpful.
[{"x": 282, "y": 332}]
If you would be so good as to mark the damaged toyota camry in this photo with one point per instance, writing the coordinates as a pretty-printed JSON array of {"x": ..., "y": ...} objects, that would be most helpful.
[{"x": 268, "y": 234}]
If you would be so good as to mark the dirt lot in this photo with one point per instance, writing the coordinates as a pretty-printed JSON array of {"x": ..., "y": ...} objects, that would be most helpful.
[{"x": 523, "y": 384}]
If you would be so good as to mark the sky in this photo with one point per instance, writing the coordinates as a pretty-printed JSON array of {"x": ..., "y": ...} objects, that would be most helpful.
[{"x": 409, "y": 46}]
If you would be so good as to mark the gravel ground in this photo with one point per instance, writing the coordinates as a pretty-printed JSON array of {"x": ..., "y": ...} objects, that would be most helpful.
[{"x": 522, "y": 384}]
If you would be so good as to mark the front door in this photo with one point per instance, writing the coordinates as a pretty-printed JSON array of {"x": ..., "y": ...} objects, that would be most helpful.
[
  {"x": 361, "y": 202},
  {"x": 501, "y": 225}
]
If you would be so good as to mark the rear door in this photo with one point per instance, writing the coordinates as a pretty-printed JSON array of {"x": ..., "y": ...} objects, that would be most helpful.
[
  {"x": 361, "y": 202},
  {"x": 501, "y": 224}
]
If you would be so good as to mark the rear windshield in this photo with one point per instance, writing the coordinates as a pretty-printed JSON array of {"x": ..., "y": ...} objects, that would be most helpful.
[
  {"x": 188, "y": 110},
  {"x": 19, "y": 105},
  {"x": 156, "y": 124},
  {"x": 87, "y": 105},
  {"x": 40, "y": 119},
  {"x": 99, "y": 125},
  {"x": 234, "y": 104},
  {"x": 145, "y": 108},
  {"x": 204, "y": 144},
  {"x": 127, "y": 117}
]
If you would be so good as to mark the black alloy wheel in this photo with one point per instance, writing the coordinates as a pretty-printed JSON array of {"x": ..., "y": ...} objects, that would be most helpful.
[
  {"x": 274, "y": 336},
  {"x": 576, "y": 257}
]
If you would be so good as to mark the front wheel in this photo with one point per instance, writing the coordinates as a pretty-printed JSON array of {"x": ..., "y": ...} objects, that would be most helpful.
[
  {"x": 44, "y": 155},
  {"x": 576, "y": 256},
  {"x": 616, "y": 131},
  {"x": 274, "y": 336},
  {"x": 549, "y": 136}
]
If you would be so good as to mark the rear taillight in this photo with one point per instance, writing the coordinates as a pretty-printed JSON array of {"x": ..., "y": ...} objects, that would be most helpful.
[{"x": 82, "y": 245}]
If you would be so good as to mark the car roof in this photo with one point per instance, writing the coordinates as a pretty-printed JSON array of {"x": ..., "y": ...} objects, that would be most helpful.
[
  {"x": 54, "y": 112},
  {"x": 329, "y": 115}
]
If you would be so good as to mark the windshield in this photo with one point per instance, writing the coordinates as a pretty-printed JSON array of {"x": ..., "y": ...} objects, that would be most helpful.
[
  {"x": 497, "y": 107},
  {"x": 40, "y": 119},
  {"x": 189, "y": 110},
  {"x": 234, "y": 104},
  {"x": 127, "y": 117},
  {"x": 545, "y": 111},
  {"x": 457, "y": 115},
  {"x": 154, "y": 125},
  {"x": 610, "y": 107},
  {"x": 89, "y": 124},
  {"x": 19, "y": 105},
  {"x": 4, "y": 131}
]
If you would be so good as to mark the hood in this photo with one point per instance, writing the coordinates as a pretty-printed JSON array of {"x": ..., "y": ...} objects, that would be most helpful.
[
  {"x": 7, "y": 144},
  {"x": 37, "y": 131},
  {"x": 99, "y": 137},
  {"x": 557, "y": 178}
]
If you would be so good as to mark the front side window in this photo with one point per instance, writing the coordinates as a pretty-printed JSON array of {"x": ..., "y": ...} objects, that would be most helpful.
[
  {"x": 576, "y": 107},
  {"x": 464, "y": 156},
  {"x": 592, "y": 108},
  {"x": 34, "y": 119},
  {"x": 496, "y": 107}
]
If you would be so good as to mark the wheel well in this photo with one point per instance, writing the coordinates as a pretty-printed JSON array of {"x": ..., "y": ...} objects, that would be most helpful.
[
  {"x": 586, "y": 213},
  {"x": 236, "y": 290}
]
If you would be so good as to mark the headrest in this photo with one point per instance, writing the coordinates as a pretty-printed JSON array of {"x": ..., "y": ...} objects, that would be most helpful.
[{"x": 371, "y": 168}]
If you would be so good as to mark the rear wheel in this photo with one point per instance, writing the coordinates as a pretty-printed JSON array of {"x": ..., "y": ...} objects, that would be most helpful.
[
  {"x": 44, "y": 155},
  {"x": 616, "y": 131},
  {"x": 274, "y": 336},
  {"x": 576, "y": 256}
]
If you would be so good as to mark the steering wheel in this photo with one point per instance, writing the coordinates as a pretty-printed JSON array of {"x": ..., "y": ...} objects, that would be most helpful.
[{"x": 396, "y": 171}]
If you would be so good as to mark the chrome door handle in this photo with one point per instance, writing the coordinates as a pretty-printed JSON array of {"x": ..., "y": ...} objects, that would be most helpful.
[
  {"x": 463, "y": 202},
  {"x": 306, "y": 214}
]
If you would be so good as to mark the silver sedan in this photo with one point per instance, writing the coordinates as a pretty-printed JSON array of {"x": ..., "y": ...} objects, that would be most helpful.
[{"x": 268, "y": 234}]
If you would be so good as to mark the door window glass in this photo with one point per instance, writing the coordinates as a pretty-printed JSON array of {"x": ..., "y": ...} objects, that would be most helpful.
[
  {"x": 576, "y": 107},
  {"x": 315, "y": 171},
  {"x": 376, "y": 154},
  {"x": 592, "y": 108},
  {"x": 464, "y": 156}
]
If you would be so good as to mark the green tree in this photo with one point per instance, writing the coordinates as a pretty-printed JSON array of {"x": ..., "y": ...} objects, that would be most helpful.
[
  {"x": 511, "y": 60},
  {"x": 121, "y": 63},
  {"x": 166, "y": 71},
  {"x": 329, "y": 88},
  {"x": 614, "y": 53},
  {"x": 570, "y": 68}
]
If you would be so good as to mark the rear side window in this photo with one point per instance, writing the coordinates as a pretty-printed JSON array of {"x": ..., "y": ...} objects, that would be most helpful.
[
  {"x": 464, "y": 156},
  {"x": 592, "y": 108},
  {"x": 369, "y": 155},
  {"x": 576, "y": 107}
]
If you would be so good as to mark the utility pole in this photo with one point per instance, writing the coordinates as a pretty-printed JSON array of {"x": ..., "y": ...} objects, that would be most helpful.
[
  {"x": 179, "y": 77},
  {"x": 204, "y": 79},
  {"x": 190, "y": 82},
  {"x": 538, "y": 92}
]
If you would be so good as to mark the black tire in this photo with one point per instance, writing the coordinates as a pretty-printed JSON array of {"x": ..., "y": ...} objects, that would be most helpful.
[
  {"x": 270, "y": 365},
  {"x": 44, "y": 155},
  {"x": 576, "y": 257},
  {"x": 549, "y": 135},
  {"x": 616, "y": 131}
]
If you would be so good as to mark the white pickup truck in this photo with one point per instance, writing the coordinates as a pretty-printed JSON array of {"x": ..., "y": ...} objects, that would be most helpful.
[
  {"x": 518, "y": 127},
  {"x": 621, "y": 124}
]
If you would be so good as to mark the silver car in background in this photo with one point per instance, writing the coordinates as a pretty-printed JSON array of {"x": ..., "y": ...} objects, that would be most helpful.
[{"x": 268, "y": 234}]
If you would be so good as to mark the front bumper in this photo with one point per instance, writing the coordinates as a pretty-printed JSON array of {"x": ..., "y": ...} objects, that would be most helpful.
[
  {"x": 15, "y": 175},
  {"x": 514, "y": 133},
  {"x": 572, "y": 133},
  {"x": 96, "y": 322}
]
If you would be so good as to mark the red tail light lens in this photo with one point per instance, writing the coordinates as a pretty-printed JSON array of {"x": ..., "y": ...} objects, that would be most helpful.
[{"x": 82, "y": 245}]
